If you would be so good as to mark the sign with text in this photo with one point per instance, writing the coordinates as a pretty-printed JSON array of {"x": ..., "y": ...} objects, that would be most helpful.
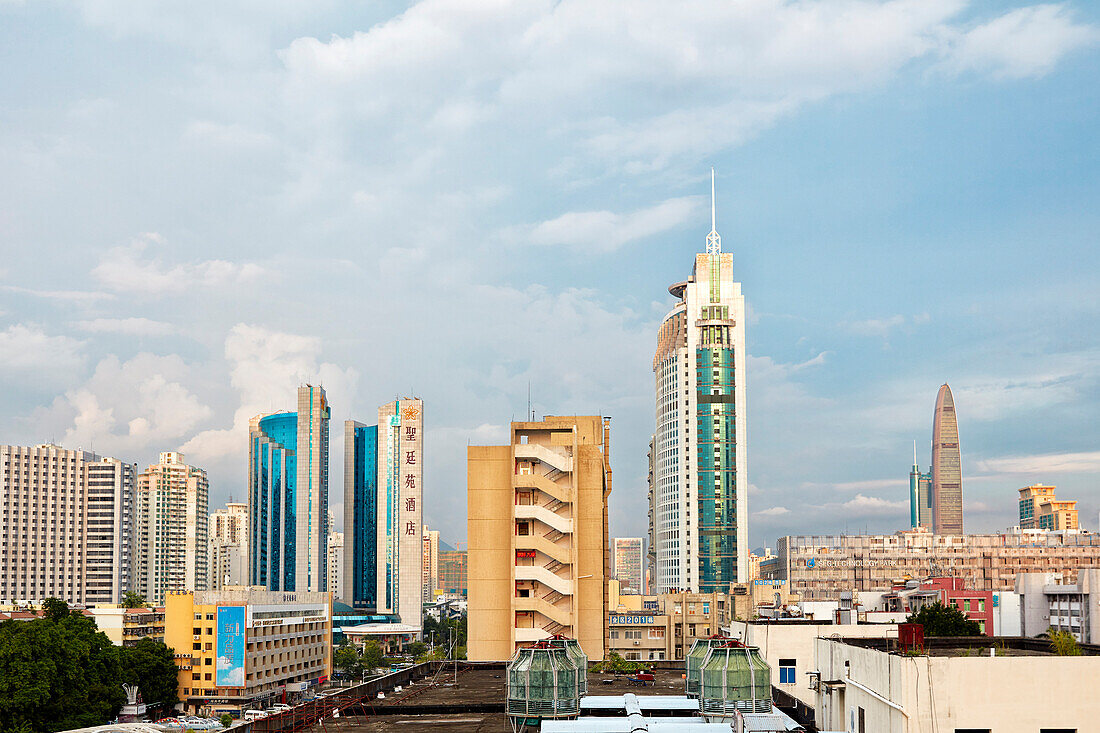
[{"x": 229, "y": 671}]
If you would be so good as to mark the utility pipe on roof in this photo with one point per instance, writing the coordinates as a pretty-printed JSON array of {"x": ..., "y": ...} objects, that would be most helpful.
[
  {"x": 634, "y": 714},
  {"x": 876, "y": 695}
]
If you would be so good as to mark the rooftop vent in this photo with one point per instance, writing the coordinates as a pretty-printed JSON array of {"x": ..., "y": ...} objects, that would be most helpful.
[
  {"x": 544, "y": 681},
  {"x": 734, "y": 678}
]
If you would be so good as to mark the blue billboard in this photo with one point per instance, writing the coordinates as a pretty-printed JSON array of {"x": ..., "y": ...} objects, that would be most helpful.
[{"x": 229, "y": 671}]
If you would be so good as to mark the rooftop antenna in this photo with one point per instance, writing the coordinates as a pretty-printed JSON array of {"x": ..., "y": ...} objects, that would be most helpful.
[
  {"x": 714, "y": 242},
  {"x": 530, "y": 414},
  {"x": 914, "y": 452}
]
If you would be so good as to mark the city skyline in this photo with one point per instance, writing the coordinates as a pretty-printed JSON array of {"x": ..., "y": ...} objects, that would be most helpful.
[{"x": 896, "y": 208}]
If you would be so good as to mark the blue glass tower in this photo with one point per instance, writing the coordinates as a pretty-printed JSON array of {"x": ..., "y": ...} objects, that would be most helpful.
[
  {"x": 288, "y": 495},
  {"x": 360, "y": 515}
]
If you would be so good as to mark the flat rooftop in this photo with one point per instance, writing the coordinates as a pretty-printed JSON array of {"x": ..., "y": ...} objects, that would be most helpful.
[
  {"x": 475, "y": 702},
  {"x": 973, "y": 646}
]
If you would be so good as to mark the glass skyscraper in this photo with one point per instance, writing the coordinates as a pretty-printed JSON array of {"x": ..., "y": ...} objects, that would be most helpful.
[
  {"x": 947, "y": 513},
  {"x": 698, "y": 479},
  {"x": 288, "y": 495},
  {"x": 360, "y": 515}
]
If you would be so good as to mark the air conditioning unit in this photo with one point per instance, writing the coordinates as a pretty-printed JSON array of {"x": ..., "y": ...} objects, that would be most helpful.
[{"x": 637, "y": 643}]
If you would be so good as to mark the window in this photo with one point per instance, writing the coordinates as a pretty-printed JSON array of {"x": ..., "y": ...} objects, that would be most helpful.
[
  {"x": 523, "y": 528},
  {"x": 786, "y": 671},
  {"x": 706, "y": 607},
  {"x": 972, "y": 730}
]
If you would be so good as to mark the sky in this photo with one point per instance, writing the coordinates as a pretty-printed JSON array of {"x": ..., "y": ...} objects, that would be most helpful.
[{"x": 206, "y": 204}]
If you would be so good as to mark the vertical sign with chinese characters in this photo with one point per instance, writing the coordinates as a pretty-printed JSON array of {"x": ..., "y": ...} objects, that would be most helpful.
[
  {"x": 400, "y": 465},
  {"x": 229, "y": 669}
]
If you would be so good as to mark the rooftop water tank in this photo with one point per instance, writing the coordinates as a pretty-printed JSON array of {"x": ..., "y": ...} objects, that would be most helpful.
[
  {"x": 543, "y": 682},
  {"x": 573, "y": 648},
  {"x": 735, "y": 677},
  {"x": 695, "y": 658}
]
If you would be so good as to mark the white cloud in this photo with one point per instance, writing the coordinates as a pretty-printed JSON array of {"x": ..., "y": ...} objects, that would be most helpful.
[
  {"x": 140, "y": 405},
  {"x": 77, "y": 296},
  {"x": 876, "y": 326},
  {"x": 606, "y": 231},
  {"x": 266, "y": 367},
  {"x": 128, "y": 326},
  {"x": 1047, "y": 463},
  {"x": 775, "y": 511},
  {"x": 866, "y": 485},
  {"x": 29, "y": 351},
  {"x": 124, "y": 269},
  {"x": 1025, "y": 42}
]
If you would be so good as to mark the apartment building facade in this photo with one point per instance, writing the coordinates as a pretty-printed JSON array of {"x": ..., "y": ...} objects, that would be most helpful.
[
  {"x": 538, "y": 536},
  {"x": 127, "y": 626},
  {"x": 1064, "y": 601},
  {"x": 228, "y": 530},
  {"x": 67, "y": 529},
  {"x": 1041, "y": 509},
  {"x": 452, "y": 573},
  {"x": 171, "y": 520},
  {"x": 240, "y": 648},
  {"x": 818, "y": 567},
  {"x": 430, "y": 564},
  {"x": 663, "y": 626}
]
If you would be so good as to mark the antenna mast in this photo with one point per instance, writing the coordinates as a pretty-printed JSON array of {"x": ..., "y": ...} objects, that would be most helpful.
[{"x": 714, "y": 242}]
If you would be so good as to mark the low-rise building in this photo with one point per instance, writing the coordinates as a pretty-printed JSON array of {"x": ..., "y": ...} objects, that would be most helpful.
[
  {"x": 1068, "y": 601},
  {"x": 127, "y": 626},
  {"x": 820, "y": 567},
  {"x": 976, "y": 605},
  {"x": 867, "y": 686},
  {"x": 788, "y": 647},
  {"x": 664, "y": 626},
  {"x": 240, "y": 648},
  {"x": 1041, "y": 509}
]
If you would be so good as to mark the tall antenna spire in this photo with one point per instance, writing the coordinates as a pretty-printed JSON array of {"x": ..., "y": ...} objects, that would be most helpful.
[
  {"x": 714, "y": 242},
  {"x": 914, "y": 452}
]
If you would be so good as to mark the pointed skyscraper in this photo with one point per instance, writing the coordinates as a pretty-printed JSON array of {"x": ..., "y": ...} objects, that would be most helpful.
[
  {"x": 947, "y": 511},
  {"x": 698, "y": 478}
]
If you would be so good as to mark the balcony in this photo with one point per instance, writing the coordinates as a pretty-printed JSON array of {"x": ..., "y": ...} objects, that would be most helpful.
[
  {"x": 557, "y": 614},
  {"x": 543, "y": 484},
  {"x": 544, "y": 515},
  {"x": 553, "y": 458},
  {"x": 559, "y": 552},
  {"x": 547, "y": 578}
]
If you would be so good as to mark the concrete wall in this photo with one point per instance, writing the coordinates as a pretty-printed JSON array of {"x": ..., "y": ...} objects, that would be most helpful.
[
  {"x": 796, "y": 640},
  {"x": 489, "y": 565},
  {"x": 900, "y": 694}
]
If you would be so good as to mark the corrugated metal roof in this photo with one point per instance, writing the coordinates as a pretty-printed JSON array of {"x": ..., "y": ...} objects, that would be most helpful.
[{"x": 645, "y": 702}]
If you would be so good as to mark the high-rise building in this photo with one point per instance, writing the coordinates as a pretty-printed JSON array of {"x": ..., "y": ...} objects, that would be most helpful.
[
  {"x": 537, "y": 529},
  {"x": 228, "y": 530},
  {"x": 68, "y": 525},
  {"x": 171, "y": 521},
  {"x": 430, "y": 564},
  {"x": 629, "y": 557},
  {"x": 947, "y": 510},
  {"x": 109, "y": 547},
  {"x": 336, "y": 564},
  {"x": 1041, "y": 509},
  {"x": 699, "y": 480},
  {"x": 920, "y": 495},
  {"x": 651, "y": 545},
  {"x": 452, "y": 573},
  {"x": 360, "y": 586},
  {"x": 288, "y": 495},
  {"x": 400, "y": 572}
]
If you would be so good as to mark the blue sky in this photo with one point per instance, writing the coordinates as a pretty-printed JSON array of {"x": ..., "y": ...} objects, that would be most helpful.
[{"x": 205, "y": 205}]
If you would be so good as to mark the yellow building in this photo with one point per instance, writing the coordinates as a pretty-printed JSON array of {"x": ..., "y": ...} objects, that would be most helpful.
[
  {"x": 246, "y": 647},
  {"x": 1040, "y": 509},
  {"x": 538, "y": 540}
]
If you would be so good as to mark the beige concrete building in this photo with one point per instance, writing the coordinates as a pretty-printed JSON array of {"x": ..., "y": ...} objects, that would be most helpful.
[
  {"x": 67, "y": 528},
  {"x": 538, "y": 536},
  {"x": 239, "y": 648},
  {"x": 127, "y": 626},
  {"x": 228, "y": 530},
  {"x": 336, "y": 564},
  {"x": 664, "y": 626},
  {"x": 862, "y": 687},
  {"x": 820, "y": 567},
  {"x": 430, "y": 564},
  {"x": 171, "y": 527},
  {"x": 629, "y": 557},
  {"x": 1066, "y": 601}
]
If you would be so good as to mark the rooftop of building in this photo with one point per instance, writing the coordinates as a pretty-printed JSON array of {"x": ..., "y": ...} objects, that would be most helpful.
[{"x": 972, "y": 646}]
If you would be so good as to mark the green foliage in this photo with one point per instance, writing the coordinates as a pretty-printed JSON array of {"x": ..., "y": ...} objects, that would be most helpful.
[
  {"x": 615, "y": 663},
  {"x": 57, "y": 672},
  {"x": 151, "y": 665},
  {"x": 416, "y": 649},
  {"x": 132, "y": 599},
  {"x": 1063, "y": 643},
  {"x": 372, "y": 655},
  {"x": 446, "y": 632},
  {"x": 55, "y": 609},
  {"x": 347, "y": 658},
  {"x": 226, "y": 720},
  {"x": 941, "y": 620}
]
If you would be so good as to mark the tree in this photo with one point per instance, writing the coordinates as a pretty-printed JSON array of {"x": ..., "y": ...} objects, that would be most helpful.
[
  {"x": 372, "y": 655},
  {"x": 346, "y": 658},
  {"x": 416, "y": 649},
  {"x": 57, "y": 672},
  {"x": 940, "y": 620},
  {"x": 133, "y": 599},
  {"x": 151, "y": 665},
  {"x": 55, "y": 609},
  {"x": 226, "y": 720}
]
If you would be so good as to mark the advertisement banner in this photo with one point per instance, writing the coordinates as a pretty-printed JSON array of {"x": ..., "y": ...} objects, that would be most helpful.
[{"x": 229, "y": 671}]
